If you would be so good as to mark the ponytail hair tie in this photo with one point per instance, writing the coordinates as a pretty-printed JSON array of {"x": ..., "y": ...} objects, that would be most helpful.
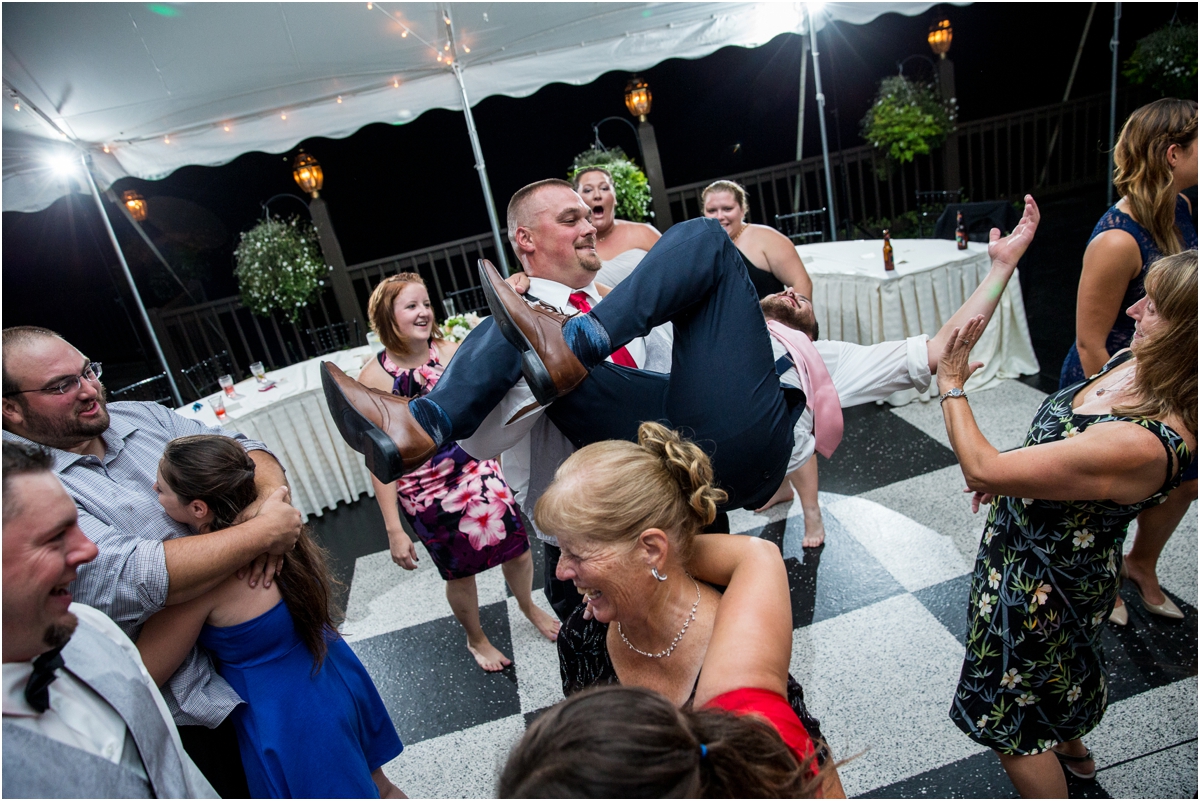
[{"x": 703, "y": 751}]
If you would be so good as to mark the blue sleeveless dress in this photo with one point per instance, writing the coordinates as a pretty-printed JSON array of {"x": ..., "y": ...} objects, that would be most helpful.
[
  {"x": 1122, "y": 331},
  {"x": 300, "y": 735}
]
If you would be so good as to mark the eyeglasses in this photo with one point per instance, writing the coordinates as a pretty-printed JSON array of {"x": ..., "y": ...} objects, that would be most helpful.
[{"x": 90, "y": 373}]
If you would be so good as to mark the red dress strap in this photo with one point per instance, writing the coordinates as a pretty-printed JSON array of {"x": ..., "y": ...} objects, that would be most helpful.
[{"x": 776, "y": 710}]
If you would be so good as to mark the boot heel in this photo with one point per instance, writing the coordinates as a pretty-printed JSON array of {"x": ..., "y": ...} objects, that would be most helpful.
[
  {"x": 539, "y": 380},
  {"x": 382, "y": 457}
]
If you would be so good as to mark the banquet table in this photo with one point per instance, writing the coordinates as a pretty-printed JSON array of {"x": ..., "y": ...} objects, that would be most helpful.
[
  {"x": 856, "y": 300},
  {"x": 292, "y": 420}
]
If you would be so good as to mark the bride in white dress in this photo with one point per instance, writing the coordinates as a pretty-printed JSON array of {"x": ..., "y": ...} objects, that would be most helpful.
[{"x": 621, "y": 244}]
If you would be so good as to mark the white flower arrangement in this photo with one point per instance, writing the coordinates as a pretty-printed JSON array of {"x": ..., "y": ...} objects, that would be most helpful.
[
  {"x": 279, "y": 267},
  {"x": 456, "y": 328}
]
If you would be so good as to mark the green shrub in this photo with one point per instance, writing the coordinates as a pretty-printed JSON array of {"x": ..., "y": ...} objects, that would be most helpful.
[{"x": 632, "y": 188}]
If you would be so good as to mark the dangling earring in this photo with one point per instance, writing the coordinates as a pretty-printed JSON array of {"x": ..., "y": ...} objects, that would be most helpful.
[{"x": 657, "y": 575}]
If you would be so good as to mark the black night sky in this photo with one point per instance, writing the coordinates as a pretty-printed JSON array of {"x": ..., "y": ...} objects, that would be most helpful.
[{"x": 396, "y": 188}]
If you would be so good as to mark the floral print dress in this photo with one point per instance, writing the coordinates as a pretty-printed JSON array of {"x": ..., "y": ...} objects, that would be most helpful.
[
  {"x": 461, "y": 509},
  {"x": 1045, "y": 580}
]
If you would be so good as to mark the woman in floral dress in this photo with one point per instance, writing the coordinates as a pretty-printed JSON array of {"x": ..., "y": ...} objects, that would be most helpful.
[
  {"x": 1033, "y": 680},
  {"x": 461, "y": 509}
]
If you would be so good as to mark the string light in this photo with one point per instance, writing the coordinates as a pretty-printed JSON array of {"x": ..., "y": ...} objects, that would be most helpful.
[
  {"x": 283, "y": 116},
  {"x": 446, "y": 46},
  {"x": 226, "y": 129},
  {"x": 17, "y": 105},
  {"x": 466, "y": 49},
  {"x": 106, "y": 149},
  {"x": 339, "y": 98},
  {"x": 404, "y": 34},
  {"x": 370, "y": 6},
  {"x": 396, "y": 82},
  {"x": 167, "y": 140},
  {"x": 439, "y": 58}
]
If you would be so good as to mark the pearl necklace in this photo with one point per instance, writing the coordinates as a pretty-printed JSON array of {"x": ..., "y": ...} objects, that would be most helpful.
[
  {"x": 678, "y": 637},
  {"x": 745, "y": 225}
]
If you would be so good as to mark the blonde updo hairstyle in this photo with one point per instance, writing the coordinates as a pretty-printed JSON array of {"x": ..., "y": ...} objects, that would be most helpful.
[
  {"x": 578, "y": 179},
  {"x": 383, "y": 319},
  {"x": 737, "y": 190},
  {"x": 1141, "y": 172},
  {"x": 614, "y": 490}
]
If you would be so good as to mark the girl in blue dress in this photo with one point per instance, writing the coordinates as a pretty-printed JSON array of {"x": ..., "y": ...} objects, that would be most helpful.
[{"x": 313, "y": 725}]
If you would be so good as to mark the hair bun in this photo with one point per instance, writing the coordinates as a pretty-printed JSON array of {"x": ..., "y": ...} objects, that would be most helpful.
[{"x": 688, "y": 465}]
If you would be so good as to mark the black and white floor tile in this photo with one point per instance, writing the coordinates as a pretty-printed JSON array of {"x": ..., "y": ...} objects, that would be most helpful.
[{"x": 879, "y": 615}]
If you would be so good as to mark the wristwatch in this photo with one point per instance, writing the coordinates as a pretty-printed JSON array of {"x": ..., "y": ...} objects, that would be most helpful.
[{"x": 954, "y": 392}]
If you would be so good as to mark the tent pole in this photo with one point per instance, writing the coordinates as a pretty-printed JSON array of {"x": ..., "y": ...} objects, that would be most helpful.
[
  {"x": 800, "y": 121},
  {"x": 482, "y": 170},
  {"x": 812, "y": 29},
  {"x": 1112, "y": 106},
  {"x": 112, "y": 235}
]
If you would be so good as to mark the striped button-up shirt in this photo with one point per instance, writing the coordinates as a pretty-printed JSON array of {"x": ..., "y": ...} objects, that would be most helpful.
[{"x": 120, "y": 512}]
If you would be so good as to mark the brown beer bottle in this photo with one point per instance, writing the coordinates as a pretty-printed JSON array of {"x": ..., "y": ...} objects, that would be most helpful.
[
  {"x": 960, "y": 233},
  {"x": 888, "y": 263}
]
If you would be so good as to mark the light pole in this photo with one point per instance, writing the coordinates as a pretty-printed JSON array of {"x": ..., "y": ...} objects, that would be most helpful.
[
  {"x": 309, "y": 176},
  {"x": 941, "y": 34},
  {"x": 637, "y": 100},
  {"x": 812, "y": 30}
]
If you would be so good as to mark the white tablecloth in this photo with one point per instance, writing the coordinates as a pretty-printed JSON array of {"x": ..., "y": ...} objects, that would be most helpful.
[
  {"x": 293, "y": 421},
  {"x": 855, "y": 300}
]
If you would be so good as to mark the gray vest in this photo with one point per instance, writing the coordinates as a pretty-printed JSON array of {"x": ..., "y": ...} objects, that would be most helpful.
[{"x": 36, "y": 766}]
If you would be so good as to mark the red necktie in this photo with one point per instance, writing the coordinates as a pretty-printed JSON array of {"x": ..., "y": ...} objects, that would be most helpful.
[{"x": 621, "y": 355}]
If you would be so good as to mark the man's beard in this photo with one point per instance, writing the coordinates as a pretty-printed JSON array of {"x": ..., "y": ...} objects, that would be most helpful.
[
  {"x": 58, "y": 634},
  {"x": 59, "y": 431},
  {"x": 590, "y": 263},
  {"x": 775, "y": 308}
]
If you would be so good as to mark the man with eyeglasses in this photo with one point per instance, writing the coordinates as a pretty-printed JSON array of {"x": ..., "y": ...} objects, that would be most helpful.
[{"x": 107, "y": 458}]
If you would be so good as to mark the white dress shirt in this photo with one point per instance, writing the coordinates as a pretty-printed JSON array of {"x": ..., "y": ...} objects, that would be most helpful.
[
  {"x": 80, "y": 718},
  {"x": 861, "y": 374}
]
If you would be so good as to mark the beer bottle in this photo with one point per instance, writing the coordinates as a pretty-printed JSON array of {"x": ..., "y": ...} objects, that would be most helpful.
[
  {"x": 960, "y": 233},
  {"x": 888, "y": 263}
]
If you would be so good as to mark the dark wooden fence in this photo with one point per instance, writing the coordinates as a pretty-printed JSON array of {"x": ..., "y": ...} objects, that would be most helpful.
[{"x": 1001, "y": 157}]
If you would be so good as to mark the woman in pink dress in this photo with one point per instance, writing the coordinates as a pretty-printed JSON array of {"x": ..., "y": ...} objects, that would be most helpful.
[{"x": 460, "y": 508}]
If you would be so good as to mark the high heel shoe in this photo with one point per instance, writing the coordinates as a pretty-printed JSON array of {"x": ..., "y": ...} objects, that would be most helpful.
[
  {"x": 1166, "y": 609},
  {"x": 1119, "y": 616}
]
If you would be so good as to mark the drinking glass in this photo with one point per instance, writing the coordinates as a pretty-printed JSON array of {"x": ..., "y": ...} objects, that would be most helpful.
[
  {"x": 226, "y": 382},
  {"x": 259, "y": 371},
  {"x": 218, "y": 406}
]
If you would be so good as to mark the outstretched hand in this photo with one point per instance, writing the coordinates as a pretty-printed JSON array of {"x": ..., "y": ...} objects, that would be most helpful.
[
  {"x": 955, "y": 366},
  {"x": 980, "y": 499},
  {"x": 1010, "y": 249}
]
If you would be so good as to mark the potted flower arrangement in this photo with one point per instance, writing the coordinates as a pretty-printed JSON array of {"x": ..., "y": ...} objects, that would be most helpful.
[
  {"x": 633, "y": 190},
  {"x": 907, "y": 119},
  {"x": 456, "y": 328},
  {"x": 279, "y": 267}
]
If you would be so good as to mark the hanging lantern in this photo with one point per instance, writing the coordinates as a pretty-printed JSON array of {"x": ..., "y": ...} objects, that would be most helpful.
[
  {"x": 940, "y": 36},
  {"x": 308, "y": 173},
  {"x": 135, "y": 203},
  {"x": 638, "y": 97}
]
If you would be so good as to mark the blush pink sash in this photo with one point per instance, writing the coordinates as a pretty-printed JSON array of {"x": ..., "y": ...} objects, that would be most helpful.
[{"x": 817, "y": 385}]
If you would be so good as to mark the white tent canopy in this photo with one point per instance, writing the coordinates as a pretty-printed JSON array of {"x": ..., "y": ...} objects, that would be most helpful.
[{"x": 167, "y": 85}]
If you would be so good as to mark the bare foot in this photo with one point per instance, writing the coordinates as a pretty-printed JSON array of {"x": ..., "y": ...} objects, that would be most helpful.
[
  {"x": 814, "y": 536},
  {"x": 488, "y": 656},
  {"x": 782, "y": 495},
  {"x": 545, "y": 624}
]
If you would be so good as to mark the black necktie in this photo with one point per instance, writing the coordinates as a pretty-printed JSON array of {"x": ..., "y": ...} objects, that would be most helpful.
[{"x": 37, "y": 691}]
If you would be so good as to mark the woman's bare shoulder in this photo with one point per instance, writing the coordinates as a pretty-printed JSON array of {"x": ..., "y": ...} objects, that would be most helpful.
[
  {"x": 374, "y": 376},
  {"x": 446, "y": 350},
  {"x": 637, "y": 235}
]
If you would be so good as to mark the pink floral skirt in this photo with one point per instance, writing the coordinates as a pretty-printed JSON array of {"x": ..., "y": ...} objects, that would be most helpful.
[{"x": 463, "y": 512}]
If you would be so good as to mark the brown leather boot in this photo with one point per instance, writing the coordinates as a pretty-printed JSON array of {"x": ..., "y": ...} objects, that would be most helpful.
[
  {"x": 376, "y": 424},
  {"x": 549, "y": 366}
]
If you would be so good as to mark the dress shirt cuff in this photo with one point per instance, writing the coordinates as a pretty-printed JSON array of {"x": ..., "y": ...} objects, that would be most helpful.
[
  {"x": 918, "y": 362},
  {"x": 196, "y": 694},
  {"x": 145, "y": 573}
]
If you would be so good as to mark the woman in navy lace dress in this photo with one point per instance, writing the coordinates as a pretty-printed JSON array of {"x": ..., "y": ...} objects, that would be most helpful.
[
  {"x": 1155, "y": 161},
  {"x": 461, "y": 509},
  {"x": 1033, "y": 680}
]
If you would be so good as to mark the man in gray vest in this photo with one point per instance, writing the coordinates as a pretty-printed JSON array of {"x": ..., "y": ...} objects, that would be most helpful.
[{"x": 82, "y": 717}]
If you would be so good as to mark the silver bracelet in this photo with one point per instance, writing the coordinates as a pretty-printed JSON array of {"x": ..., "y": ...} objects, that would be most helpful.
[{"x": 955, "y": 392}]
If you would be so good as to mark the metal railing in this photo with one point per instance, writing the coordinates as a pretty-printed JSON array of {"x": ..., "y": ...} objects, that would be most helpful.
[{"x": 1001, "y": 157}]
